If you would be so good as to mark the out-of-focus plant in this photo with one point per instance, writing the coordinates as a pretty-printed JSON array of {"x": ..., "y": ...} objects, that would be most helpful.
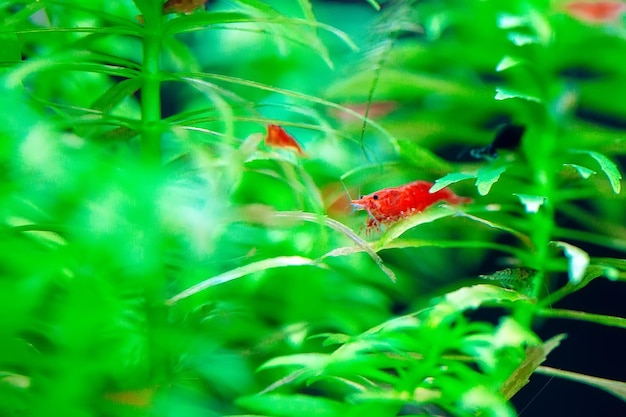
[
  {"x": 134, "y": 169},
  {"x": 159, "y": 257}
]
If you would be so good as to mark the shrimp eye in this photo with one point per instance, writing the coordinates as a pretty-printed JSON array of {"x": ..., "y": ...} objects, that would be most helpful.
[{"x": 375, "y": 196}]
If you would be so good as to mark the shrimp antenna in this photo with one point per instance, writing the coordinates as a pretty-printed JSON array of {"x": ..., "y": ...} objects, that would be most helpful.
[
  {"x": 395, "y": 12},
  {"x": 536, "y": 395}
]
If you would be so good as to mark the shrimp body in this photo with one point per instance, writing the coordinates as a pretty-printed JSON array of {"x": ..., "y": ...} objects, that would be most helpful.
[
  {"x": 391, "y": 204},
  {"x": 278, "y": 137}
]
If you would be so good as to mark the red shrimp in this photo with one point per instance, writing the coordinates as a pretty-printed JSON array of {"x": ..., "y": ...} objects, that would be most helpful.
[
  {"x": 182, "y": 6},
  {"x": 391, "y": 204},
  {"x": 278, "y": 137},
  {"x": 596, "y": 12}
]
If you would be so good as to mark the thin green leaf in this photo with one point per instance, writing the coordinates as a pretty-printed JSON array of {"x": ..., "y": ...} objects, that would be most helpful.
[
  {"x": 609, "y": 167},
  {"x": 508, "y": 62},
  {"x": 401, "y": 226},
  {"x": 374, "y": 4},
  {"x": 278, "y": 262},
  {"x": 114, "y": 95},
  {"x": 616, "y": 388},
  {"x": 603, "y": 319},
  {"x": 535, "y": 356},
  {"x": 582, "y": 171},
  {"x": 578, "y": 260},
  {"x": 261, "y": 214},
  {"x": 503, "y": 93},
  {"x": 290, "y": 405},
  {"x": 304, "y": 360}
]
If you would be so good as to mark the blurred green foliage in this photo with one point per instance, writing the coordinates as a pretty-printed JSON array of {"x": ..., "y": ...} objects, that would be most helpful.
[{"x": 159, "y": 258}]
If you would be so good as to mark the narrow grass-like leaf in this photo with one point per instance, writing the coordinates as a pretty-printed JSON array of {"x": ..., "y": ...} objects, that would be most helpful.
[
  {"x": 602, "y": 319},
  {"x": 609, "y": 167},
  {"x": 265, "y": 216},
  {"x": 288, "y": 93},
  {"x": 114, "y": 95},
  {"x": 200, "y": 21},
  {"x": 278, "y": 262},
  {"x": 616, "y": 388}
]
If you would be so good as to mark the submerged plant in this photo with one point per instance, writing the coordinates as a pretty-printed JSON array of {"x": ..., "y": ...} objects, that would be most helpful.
[{"x": 164, "y": 255}]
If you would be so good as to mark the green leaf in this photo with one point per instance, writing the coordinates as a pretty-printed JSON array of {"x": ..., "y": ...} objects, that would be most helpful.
[
  {"x": 449, "y": 179},
  {"x": 535, "y": 356},
  {"x": 401, "y": 226},
  {"x": 374, "y": 4},
  {"x": 472, "y": 297},
  {"x": 503, "y": 93},
  {"x": 489, "y": 175},
  {"x": 278, "y": 262},
  {"x": 11, "y": 50},
  {"x": 578, "y": 260},
  {"x": 508, "y": 62},
  {"x": 308, "y": 360},
  {"x": 531, "y": 202},
  {"x": 616, "y": 388},
  {"x": 609, "y": 167},
  {"x": 582, "y": 171},
  {"x": 292, "y": 405},
  {"x": 602, "y": 319},
  {"x": 423, "y": 158}
]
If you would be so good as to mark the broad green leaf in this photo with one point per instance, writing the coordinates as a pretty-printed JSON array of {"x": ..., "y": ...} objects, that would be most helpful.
[
  {"x": 609, "y": 167},
  {"x": 449, "y": 179},
  {"x": 278, "y": 262},
  {"x": 505, "y": 93},
  {"x": 535, "y": 355},
  {"x": 582, "y": 171},
  {"x": 292, "y": 405},
  {"x": 616, "y": 388},
  {"x": 489, "y": 175},
  {"x": 531, "y": 202},
  {"x": 11, "y": 50},
  {"x": 577, "y": 259}
]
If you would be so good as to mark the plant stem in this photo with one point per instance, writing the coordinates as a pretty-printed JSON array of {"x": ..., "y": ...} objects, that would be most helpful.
[
  {"x": 151, "y": 91},
  {"x": 543, "y": 175}
]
